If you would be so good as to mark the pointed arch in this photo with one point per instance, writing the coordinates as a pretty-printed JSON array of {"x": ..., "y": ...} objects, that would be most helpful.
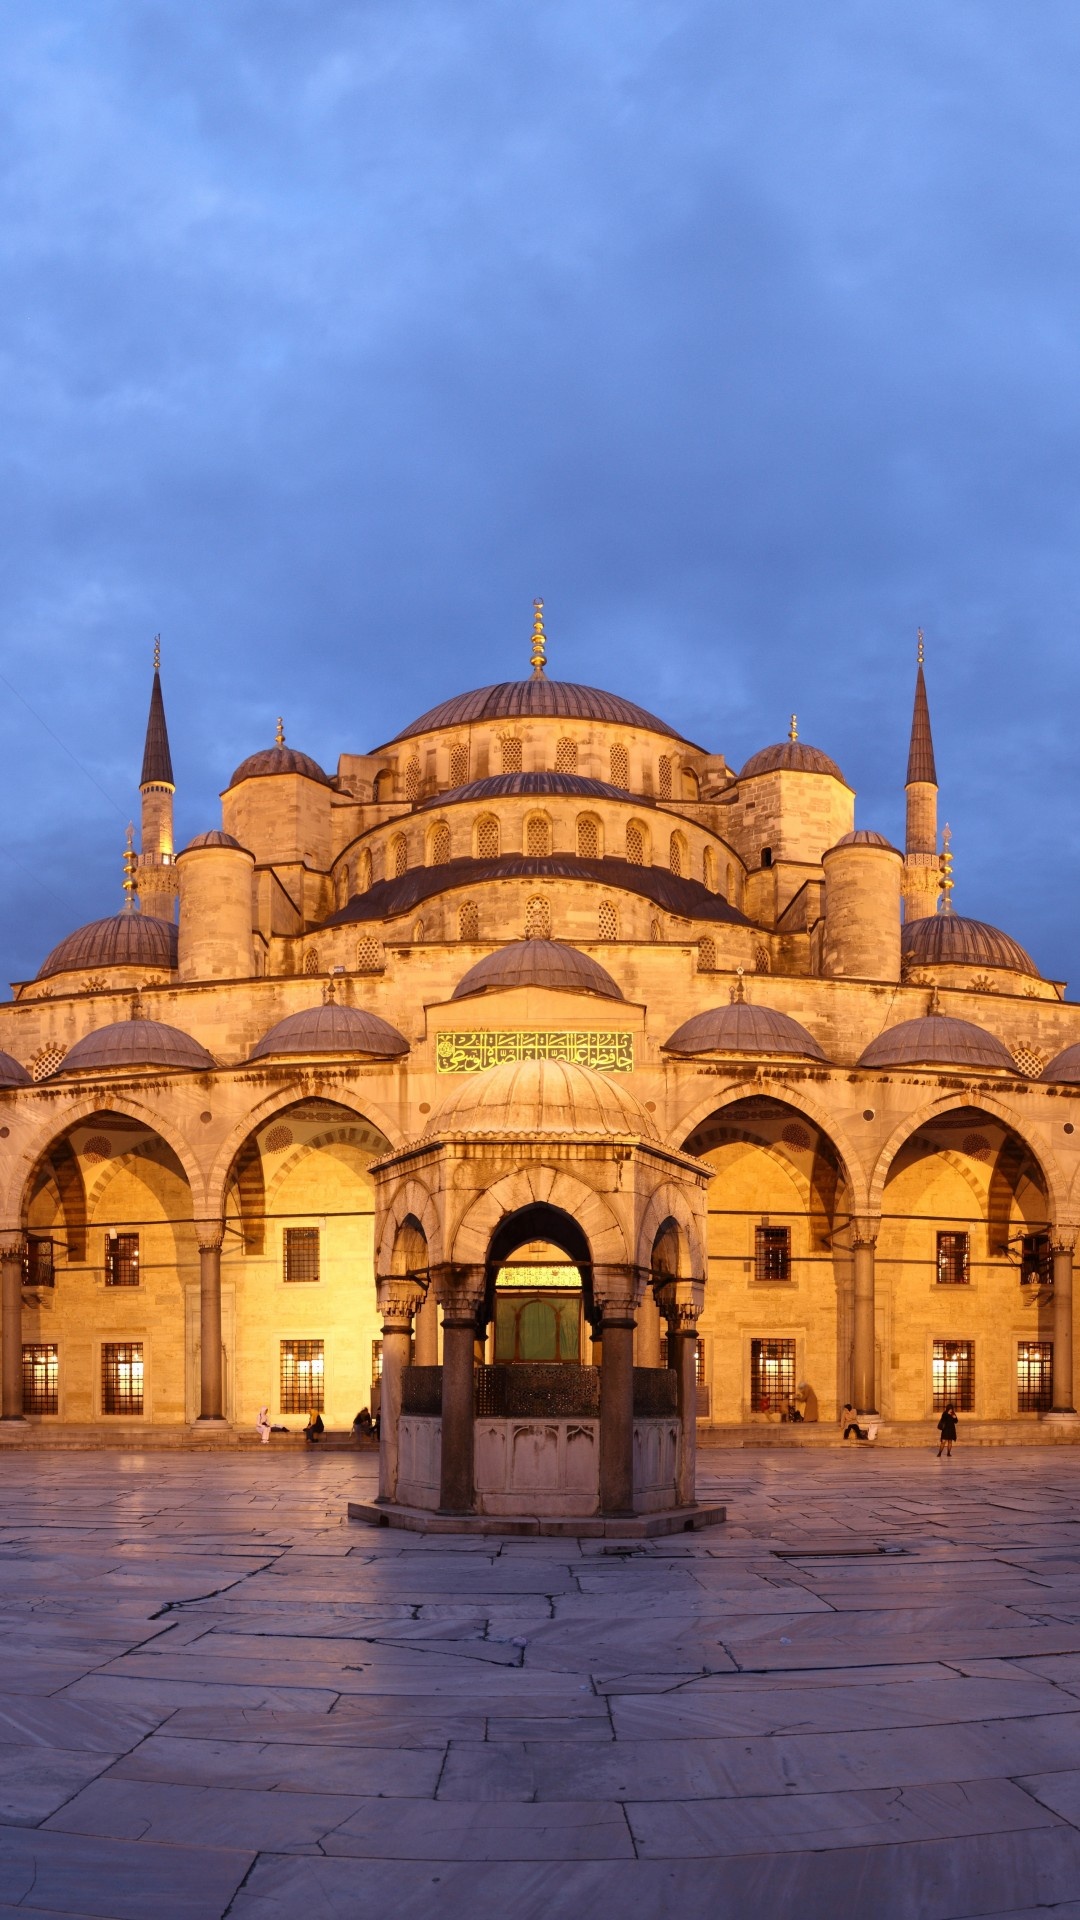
[
  {"x": 23, "y": 1164},
  {"x": 935, "y": 1107},
  {"x": 540, "y": 1185},
  {"x": 854, "y": 1170}
]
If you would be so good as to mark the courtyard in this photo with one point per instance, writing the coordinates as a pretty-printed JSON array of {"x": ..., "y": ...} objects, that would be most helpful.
[{"x": 861, "y": 1696}]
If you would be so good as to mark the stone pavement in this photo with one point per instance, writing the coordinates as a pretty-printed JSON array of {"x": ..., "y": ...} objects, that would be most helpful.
[{"x": 859, "y": 1699}]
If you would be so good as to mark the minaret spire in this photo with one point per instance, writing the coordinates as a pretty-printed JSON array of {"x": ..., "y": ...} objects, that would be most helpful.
[
  {"x": 922, "y": 866},
  {"x": 155, "y": 875}
]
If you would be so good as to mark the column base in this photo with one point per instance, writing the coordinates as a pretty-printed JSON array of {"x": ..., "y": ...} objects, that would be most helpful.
[
  {"x": 643, "y": 1526},
  {"x": 1062, "y": 1413},
  {"x": 14, "y": 1420},
  {"x": 216, "y": 1421}
]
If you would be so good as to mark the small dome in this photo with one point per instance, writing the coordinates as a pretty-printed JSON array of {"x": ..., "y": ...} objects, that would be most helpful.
[
  {"x": 865, "y": 837},
  {"x": 215, "y": 838},
  {"x": 791, "y": 756},
  {"x": 741, "y": 1028},
  {"x": 537, "y": 1098},
  {"x": 538, "y": 963},
  {"x": 948, "y": 939},
  {"x": 136, "y": 1043},
  {"x": 11, "y": 1073},
  {"x": 938, "y": 1040},
  {"x": 507, "y": 786},
  {"x": 270, "y": 760},
  {"x": 332, "y": 1029},
  {"x": 123, "y": 940},
  {"x": 1064, "y": 1069},
  {"x": 538, "y": 698}
]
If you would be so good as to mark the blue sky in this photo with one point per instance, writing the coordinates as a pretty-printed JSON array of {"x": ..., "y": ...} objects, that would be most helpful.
[{"x": 745, "y": 333}]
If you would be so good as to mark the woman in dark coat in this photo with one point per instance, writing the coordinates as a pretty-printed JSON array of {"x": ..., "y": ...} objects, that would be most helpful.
[{"x": 946, "y": 1426}]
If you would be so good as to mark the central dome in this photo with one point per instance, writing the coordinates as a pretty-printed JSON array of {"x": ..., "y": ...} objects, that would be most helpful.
[
  {"x": 531, "y": 1099},
  {"x": 537, "y": 698},
  {"x": 538, "y": 963},
  {"x": 950, "y": 939}
]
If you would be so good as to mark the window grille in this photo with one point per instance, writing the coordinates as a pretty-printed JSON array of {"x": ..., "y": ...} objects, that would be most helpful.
[
  {"x": 566, "y": 756},
  {"x": 278, "y": 1139},
  {"x": 537, "y": 920},
  {"x": 511, "y": 754},
  {"x": 487, "y": 838},
  {"x": 300, "y": 1253},
  {"x": 440, "y": 845},
  {"x": 122, "y": 1260},
  {"x": 608, "y": 927},
  {"x": 469, "y": 921},
  {"x": 459, "y": 764},
  {"x": 772, "y": 1375},
  {"x": 1029, "y": 1060},
  {"x": 412, "y": 779},
  {"x": 376, "y": 1362},
  {"x": 588, "y": 838},
  {"x": 368, "y": 955},
  {"x": 39, "y": 1266},
  {"x": 40, "y": 1379},
  {"x": 302, "y": 1376},
  {"x": 699, "y": 1360},
  {"x": 772, "y": 1253},
  {"x": 664, "y": 782},
  {"x": 954, "y": 1375},
  {"x": 706, "y": 955},
  {"x": 537, "y": 837},
  {"x": 400, "y": 856},
  {"x": 761, "y": 960},
  {"x": 1036, "y": 1261},
  {"x": 675, "y": 854},
  {"x": 311, "y": 961},
  {"x": 122, "y": 1376},
  {"x": 46, "y": 1060},
  {"x": 953, "y": 1259},
  {"x": 635, "y": 845},
  {"x": 1034, "y": 1376},
  {"x": 620, "y": 766}
]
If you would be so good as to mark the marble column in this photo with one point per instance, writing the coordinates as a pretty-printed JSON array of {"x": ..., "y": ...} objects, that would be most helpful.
[
  {"x": 427, "y": 1331},
  {"x": 617, "y": 1291},
  {"x": 863, "y": 1369},
  {"x": 647, "y": 1340},
  {"x": 460, "y": 1290},
  {"x": 681, "y": 1301},
  {"x": 11, "y": 1256},
  {"x": 398, "y": 1299},
  {"x": 1062, "y": 1244},
  {"x": 209, "y": 1234}
]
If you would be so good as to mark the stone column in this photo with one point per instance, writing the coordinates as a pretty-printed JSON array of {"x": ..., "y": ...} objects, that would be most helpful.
[
  {"x": 11, "y": 1256},
  {"x": 617, "y": 1291},
  {"x": 681, "y": 1302},
  {"x": 863, "y": 1369},
  {"x": 647, "y": 1338},
  {"x": 209, "y": 1234},
  {"x": 398, "y": 1299},
  {"x": 1062, "y": 1242},
  {"x": 460, "y": 1290},
  {"x": 427, "y": 1331}
]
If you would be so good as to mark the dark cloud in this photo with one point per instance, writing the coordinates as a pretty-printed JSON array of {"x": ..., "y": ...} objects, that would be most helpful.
[{"x": 746, "y": 334}]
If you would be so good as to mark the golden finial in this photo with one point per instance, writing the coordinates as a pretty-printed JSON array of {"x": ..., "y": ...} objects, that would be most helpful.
[
  {"x": 157, "y": 653},
  {"x": 946, "y": 869},
  {"x": 538, "y": 658},
  {"x": 793, "y": 730},
  {"x": 279, "y": 737},
  {"x": 738, "y": 991},
  {"x": 934, "y": 1009},
  {"x": 329, "y": 994},
  {"x": 130, "y": 863},
  {"x": 920, "y": 647}
]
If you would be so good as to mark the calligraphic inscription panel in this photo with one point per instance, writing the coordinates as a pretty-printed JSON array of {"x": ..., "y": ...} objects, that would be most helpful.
[{"x": 471, "y": 1052}]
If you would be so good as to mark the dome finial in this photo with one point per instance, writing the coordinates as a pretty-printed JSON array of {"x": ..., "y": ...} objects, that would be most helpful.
[
  {"x": 129, "y": 868},
  {"x": 946, "y": 869},
  {"x": 329, "y": 994},
  {"x": 793, "y": 730},
  {"x": 922, "y": 653},
  {"x": 738, "y": 991},
  {"x": 157, "y": 653},
  {"x": 279, "y": 737},
  {"x": 538, "y": 658}
]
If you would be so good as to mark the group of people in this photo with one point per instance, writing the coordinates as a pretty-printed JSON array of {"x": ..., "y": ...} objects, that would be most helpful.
[{"x": 364, "y": 1427}]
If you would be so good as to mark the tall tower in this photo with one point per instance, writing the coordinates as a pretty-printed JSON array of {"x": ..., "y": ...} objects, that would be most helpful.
[
  {"x": 922, "y": 863},
  {"x": 155, "y": 875}
]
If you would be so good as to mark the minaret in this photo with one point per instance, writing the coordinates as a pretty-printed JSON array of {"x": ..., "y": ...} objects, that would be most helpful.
[
  {"x": 155, "y": 875},
  {"x": 922, "y": 863}
]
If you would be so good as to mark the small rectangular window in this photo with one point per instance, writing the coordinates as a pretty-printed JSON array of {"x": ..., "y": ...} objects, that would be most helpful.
[
  {"x": 301, "y": 1253},
  {"x": 772, "y": 1375},
  {"x": 121, "y": 1260},
  {"x": 772, "y": 1253},
  {"x": 953, "y": 1259},
  {"x": 39, "y": 1267},
  {"x": 766, "y": 856},
  {"x": 1034, "y": 1376},
  {"x": 1036, "y": 1261},
  {"x": 41, "y": 1379},
  {"x": 376, "y": 1362},
  {"x": 302, "y": 1366},
  {"x": 699, "y": 1361},
  {"x": 122, "y": 1377},
  {"x": 954, "y": 1375}
]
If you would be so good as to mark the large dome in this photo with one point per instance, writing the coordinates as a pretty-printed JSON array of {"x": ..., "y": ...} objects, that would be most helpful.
[
  {"x": 791, "y": 756},
  {"x": 270, "y": 760},
  {"x": 948, "y": 939},
  {"x": 537, "y": 698},
  {"x": 123, "y": 940},
  {"x": 937, "y": 1040},
  {"x": 533, "y": 1099},
  {"x": 11, "y": 1073},
  {"x": 741, "y": 1028},
  {"x": 507, "y": 786},
  {"x": 332, "y": 1029},
  {"x": 538, "y": 963},
  {"x": 136, "y": 1043}
]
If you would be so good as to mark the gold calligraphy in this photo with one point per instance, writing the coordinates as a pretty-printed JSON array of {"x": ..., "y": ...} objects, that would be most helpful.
[{"x": 479, "y": 1048}]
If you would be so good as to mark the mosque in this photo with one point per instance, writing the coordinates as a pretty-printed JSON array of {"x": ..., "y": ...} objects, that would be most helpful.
[{"x": 581, "y": 1091}]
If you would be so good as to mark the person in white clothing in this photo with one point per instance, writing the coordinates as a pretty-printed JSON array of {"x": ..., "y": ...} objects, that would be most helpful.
[{"x": 263, "y": 1424}]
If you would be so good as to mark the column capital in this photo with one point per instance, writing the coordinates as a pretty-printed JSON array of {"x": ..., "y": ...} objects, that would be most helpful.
[
  {"x": 459, "y": 1290},
  {"x": 865, "y": 1229},
  {"x": 617, "y": 1293},
  {"x": 209, "y": 1234},
  {"x": 12, "y": 1243},
  {"x": 680, "y": 1302},
  {"x": 1063, "y": 1236},
  {"x": 399, "y": 1299}
]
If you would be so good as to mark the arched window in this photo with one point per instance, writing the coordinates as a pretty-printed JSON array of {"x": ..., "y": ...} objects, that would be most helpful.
[
  {"x": 537, "y": 836},
  {"x": 537, "y": 919},
  {"x": 566, "y": 756},
  {"x": 761, "y": 960},
  {"x": 511, "y": 753},
  {"x": 708, "y": 869},
  {"x": 487, "y": 838},
  {"x": 620, "y": 765},
  {"x": 635, "y": 844},
  {"x": 384, "y": 784},
  {"x": 656, "y": 932},
  {"x": 311, "y": 961},
  {"x": 731, "y": 882},
  {"x": 440, "y": 844},
  {"x": 677, "y": 854},
  {"x": 341, "y": 886},
  {"x": 665, "y": 777},
  {"x": 706, "y": 954},
  {"x": 412, "y": 779},
  {"x": 368, "y": 955},
  {"x": 399, "y": 856},
  {"x": 418, "y": 930},
  {"x": 459, "y": 763},
  {"x": 469, "y": 921},
  {"x": 588, "y": 837},
  {"x": 690, "y": 788},
  {"x": 363, "y": 871},
  {"x": 608, "y": 928}
]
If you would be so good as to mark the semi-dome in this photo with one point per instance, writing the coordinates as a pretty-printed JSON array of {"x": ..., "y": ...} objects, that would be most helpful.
[
  {"x": 505, "y": 786},
  {"x": 279, "y": 759},
  {"x": 123, "y": 940},
  {"x": 742, "y": 1028},
  {"x": 136, "y": 1043},
  {"x": 332, "y": 1029},
  {"x": 531, "y": 1099},
  {"x": 538, "y": 963},
  {"x": 937, "y": 1040},
  {"x": 864, "y": 837},
  {"x": 1064, "y": 1069},
  {"x": 948, "y": 939},
  {"x": 215, "y": 838},
  {"x": 537, "y": 698},
  {"x": 791, "y": 756},
  {"x": 11, "y": 1073}
]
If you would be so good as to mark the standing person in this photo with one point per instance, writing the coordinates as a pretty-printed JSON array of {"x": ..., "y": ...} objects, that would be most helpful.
[
  {"x": 263, "y": 1424},
  {"x": 946, "y": 1426}
]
